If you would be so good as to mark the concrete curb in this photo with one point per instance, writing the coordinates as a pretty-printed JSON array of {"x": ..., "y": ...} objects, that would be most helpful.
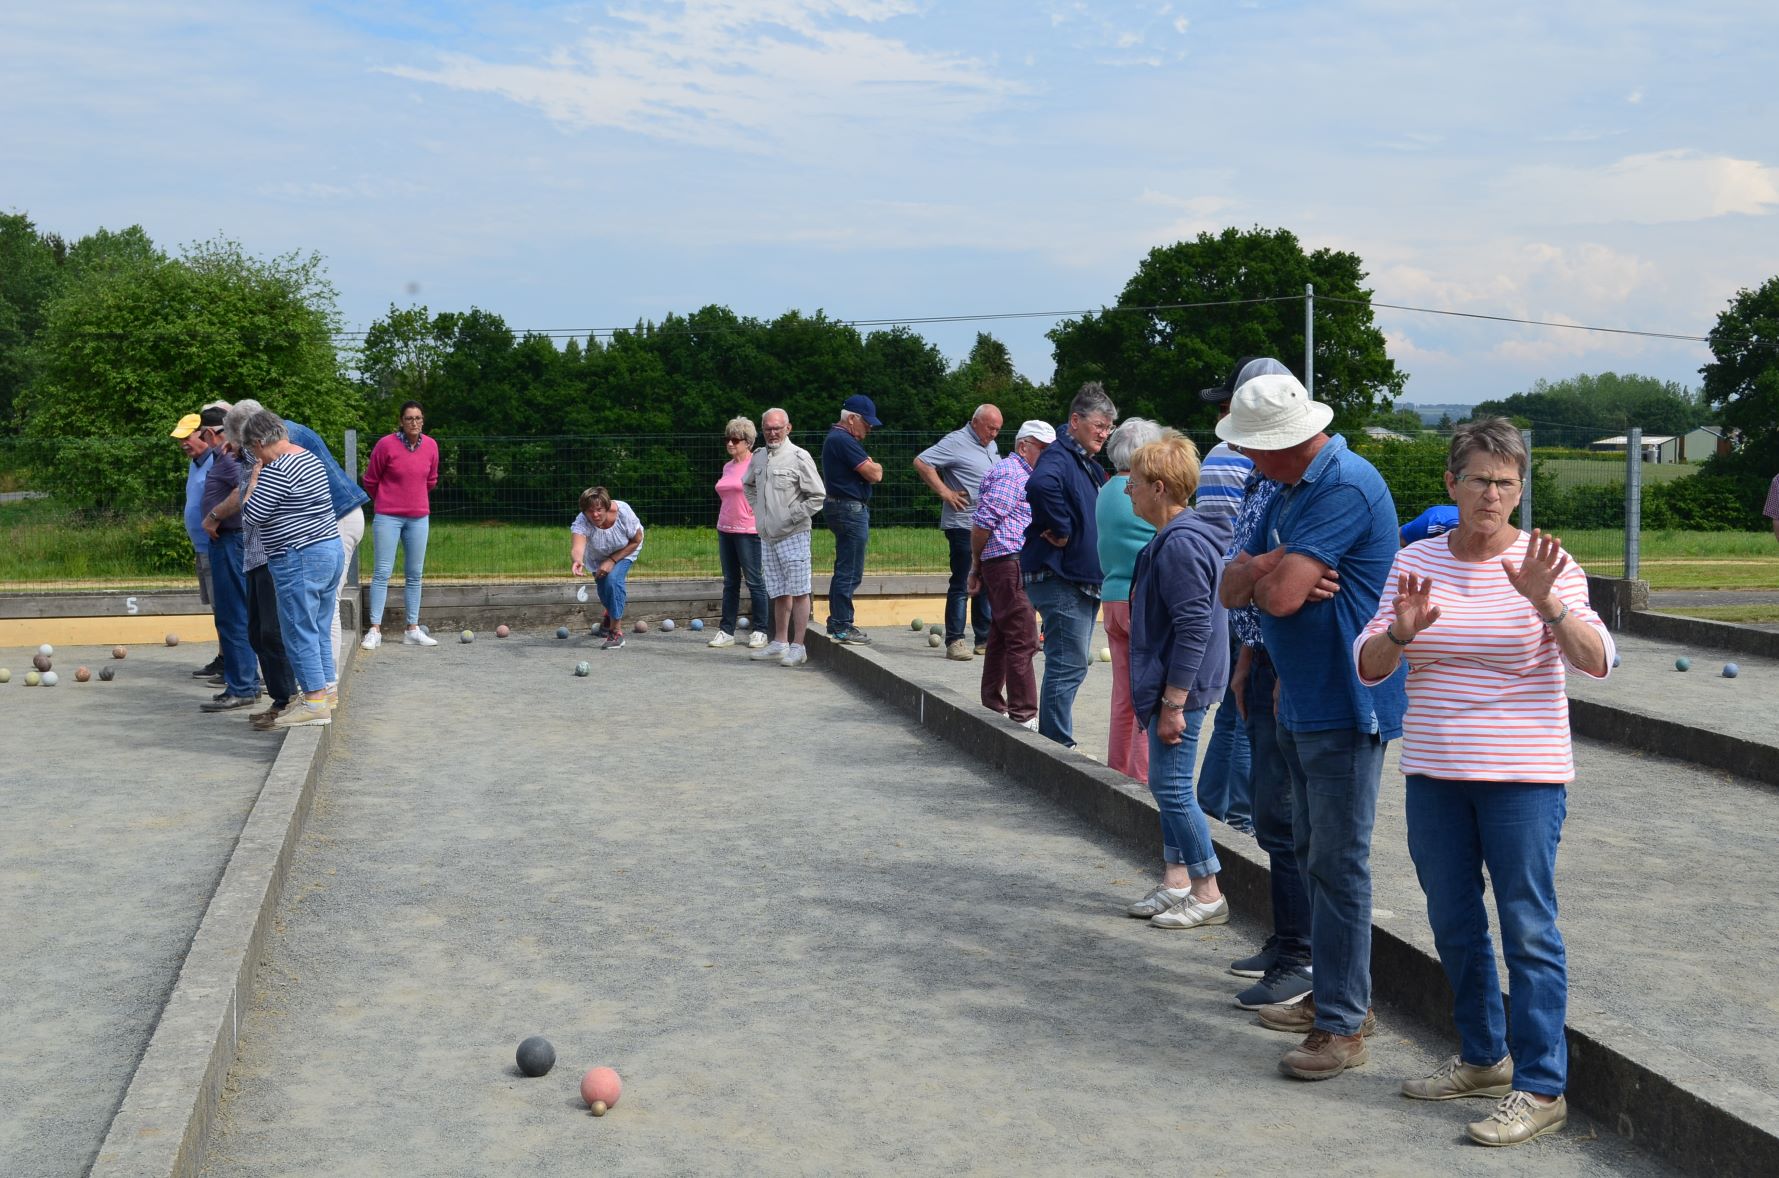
[
  {"x": 1666, "y": 738},
  {"x": 1663, "y": 1099},
  {"x": 161, "y": 1125},
  {"x": 1703, "y": 632}
]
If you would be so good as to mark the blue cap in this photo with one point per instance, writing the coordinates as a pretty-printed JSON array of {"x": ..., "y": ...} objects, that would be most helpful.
[{"x": 863, "y": 406}]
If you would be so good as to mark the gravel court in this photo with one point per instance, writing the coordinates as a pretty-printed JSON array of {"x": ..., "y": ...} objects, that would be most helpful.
[
  {"x": 811, "y": 939},
  {"x": 119, "y": 806},
  {"x": 1664, "y": 876}
]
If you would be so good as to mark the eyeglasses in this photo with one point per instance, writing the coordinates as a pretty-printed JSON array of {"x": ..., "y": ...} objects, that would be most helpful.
[
  {"x": 1480, "y": 486},
  {"x": 412, "y": 417}
]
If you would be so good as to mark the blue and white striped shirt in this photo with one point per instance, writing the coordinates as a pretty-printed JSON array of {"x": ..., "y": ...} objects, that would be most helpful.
[
  {"x": 1220, "y": 479},
  {"x": 290, "y": 504}
]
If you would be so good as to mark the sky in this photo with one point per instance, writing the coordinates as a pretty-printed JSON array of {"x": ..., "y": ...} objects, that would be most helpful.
[{"x": 579, "y": 166}]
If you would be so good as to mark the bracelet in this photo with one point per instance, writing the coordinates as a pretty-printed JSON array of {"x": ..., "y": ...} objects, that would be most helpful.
[
  {"x": 1391, "y": 635},
  {"x": 1555, "y": 620},
  {"x": 1173, "y": 707}
]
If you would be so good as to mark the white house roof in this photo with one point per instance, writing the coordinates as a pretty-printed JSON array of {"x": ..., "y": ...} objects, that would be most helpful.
[{"x": 1648, "y": 440}]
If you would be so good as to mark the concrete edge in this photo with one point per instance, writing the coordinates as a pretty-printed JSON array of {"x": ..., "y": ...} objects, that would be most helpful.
[
  {"x": 1667, "y": 738},
  {"x": 1726, "y": 636},
  {"x": 160, "y": 1127},
  {"x": 1668, "y": 1102}
]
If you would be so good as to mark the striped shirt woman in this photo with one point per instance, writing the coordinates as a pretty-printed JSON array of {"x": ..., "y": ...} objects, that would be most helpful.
[{"x": 291, "y": 505}]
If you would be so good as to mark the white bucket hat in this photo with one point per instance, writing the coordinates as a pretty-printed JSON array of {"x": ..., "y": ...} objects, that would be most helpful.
[{"x": 1273, "y": 412}]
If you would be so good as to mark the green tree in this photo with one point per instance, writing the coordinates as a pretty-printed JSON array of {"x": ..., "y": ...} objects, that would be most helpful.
[
  {"x": 137, "y": 339},
  {"x": 987, "y": 376},
  {"x": 1403, "y": 421},
  {"x": 400, "y": 359},
  {"x": 1195, "y": 307},
  {"x": 30, "y": 274},
  {"x": 1742, "y": 380},
  {"x": 1580, "y": 410}
]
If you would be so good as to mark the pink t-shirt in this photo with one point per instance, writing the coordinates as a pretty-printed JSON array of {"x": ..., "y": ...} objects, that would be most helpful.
[
  {"x": 734, "y": 515},
  {"x": 1485, "y": 682},
  {"x": 398, "y": 479}
]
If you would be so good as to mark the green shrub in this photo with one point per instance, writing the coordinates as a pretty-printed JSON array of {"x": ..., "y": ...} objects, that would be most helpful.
[
  {"x": 162, "y": 545},
  {"x": 1706, "y": 503}
]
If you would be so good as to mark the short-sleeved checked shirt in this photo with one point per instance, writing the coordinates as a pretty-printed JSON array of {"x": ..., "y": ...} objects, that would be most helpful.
[
  {"x": 1001, "y": 508},
  {"x": 1257, "y": 496},
  {"x": 1771, "y": 510}
]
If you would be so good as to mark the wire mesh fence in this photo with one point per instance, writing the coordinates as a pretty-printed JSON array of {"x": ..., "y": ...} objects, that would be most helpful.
[{"x": 78, "y": 514}]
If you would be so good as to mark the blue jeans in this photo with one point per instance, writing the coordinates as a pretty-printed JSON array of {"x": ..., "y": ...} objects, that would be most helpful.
[
  {"x": 1224, "y": 789},
  {"x": 228, "y": 590},
  {"x": 850, "y": 520},
  {"x": 1185, "y": 835},
  {"x": 613, "y": 592},
  {"x": 1066, "y": 619},
  {"x": 305, "y": 579},
  {"x": 1272, "y": 818},
  {"x": 1455, "y": 830},
  {"x": 386, "y": 532},
  {"x": 958, "y": 601},
  {"x": 739, "y": 553},
  {"x": 1334, "y": 785}
]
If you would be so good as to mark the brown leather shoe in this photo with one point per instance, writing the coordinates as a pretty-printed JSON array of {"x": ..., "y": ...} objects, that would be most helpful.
[
  {"x": 1322, "y": 1056},
  {"x": 1518, "y": 1119},
  {"x": 1299, "y": 1018}
]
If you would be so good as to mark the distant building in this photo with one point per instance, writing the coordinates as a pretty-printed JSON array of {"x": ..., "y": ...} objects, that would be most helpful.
[
  {"x": 1656, "y": 447},
  {"x": 1379, "y": 433},
  {"x": 1696, "y": 446}
]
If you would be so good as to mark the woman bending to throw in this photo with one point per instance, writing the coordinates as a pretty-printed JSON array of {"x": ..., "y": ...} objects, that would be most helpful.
[
  {"x": 1488, "y": 617},
  {"x": 606, "y": 540}
]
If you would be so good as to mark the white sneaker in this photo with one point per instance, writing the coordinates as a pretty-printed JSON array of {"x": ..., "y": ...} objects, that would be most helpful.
[
  {"x": 418, "y": 638},
  {"x": 773, "y": 650},
  {"x": 1030, "y": 725},
  {"x": 723, "y": 638},
  {"x": 795, "y": 655},
  {"x": 1190, "y": 913},
  {"x": 756, "y": 640},
  {"x": 372, "y": 640}
]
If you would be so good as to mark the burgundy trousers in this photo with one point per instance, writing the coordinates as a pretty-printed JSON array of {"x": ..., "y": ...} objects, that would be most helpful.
[{"x": 1008, "y": 685}]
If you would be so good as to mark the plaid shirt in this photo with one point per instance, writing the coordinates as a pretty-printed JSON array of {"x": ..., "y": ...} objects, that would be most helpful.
[
  {"x": 1771, "y": 510},
  {"x": 1001, "y": 508},
  {"x": 1257, "y": 496}
]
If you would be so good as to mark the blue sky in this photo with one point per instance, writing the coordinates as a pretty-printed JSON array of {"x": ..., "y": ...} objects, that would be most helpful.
[{"x": 587, "y": 165}]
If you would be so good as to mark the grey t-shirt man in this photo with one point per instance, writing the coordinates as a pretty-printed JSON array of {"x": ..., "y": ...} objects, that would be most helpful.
[{"x": 961, "y": 462}]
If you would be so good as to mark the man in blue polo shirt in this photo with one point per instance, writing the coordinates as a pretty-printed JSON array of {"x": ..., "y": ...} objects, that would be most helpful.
[
  {"x": 1334, "y": 516},
  {"x": 850, "y": 473}
]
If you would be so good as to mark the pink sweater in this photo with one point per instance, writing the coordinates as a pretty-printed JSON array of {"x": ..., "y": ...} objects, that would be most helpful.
[
  {"x": 734, "y": 515},
  {"x": 398, "y": 480}
]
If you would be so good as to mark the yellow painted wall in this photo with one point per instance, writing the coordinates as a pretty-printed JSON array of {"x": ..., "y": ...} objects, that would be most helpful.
[{"x": 107, "y": 631}]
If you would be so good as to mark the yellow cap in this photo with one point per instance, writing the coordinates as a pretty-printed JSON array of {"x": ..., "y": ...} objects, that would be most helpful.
[{"x": 188, "y": 425}]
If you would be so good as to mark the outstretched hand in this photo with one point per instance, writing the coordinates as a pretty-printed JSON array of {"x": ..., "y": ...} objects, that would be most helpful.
[
  {"x": 1537, "y": 575},
  {"x": 1415, "y": 610}
]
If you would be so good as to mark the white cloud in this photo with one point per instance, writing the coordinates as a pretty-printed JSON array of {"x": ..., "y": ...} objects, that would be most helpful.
[
  {"x": 1655, "y": 188},
  {"x": 738, "y": 73},
  {"x": 1635, "y": 96}
]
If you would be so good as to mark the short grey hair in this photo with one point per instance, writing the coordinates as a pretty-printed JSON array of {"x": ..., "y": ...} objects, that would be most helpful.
[
  {"x": 984, "y": 408},
  {"x": 741, "y": 429},
  {"x": 1092, "y": 400},
  {"x": 849, "y": 415},
  {"x": 236, "y": 417},
  {"x": 1128, "y": 438},
  {"x": 263, "y": 428},
  {"x": 1494, "y": 437}
]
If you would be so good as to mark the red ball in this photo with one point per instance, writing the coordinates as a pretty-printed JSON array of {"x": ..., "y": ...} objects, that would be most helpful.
[
  {"x": 601, "y": 1085},
  {"x": 118, "y": 652},
  {"x": 40, "y": 661},
  {"x": 501, "y": 631},
  {"x": 81, "y": 674}
]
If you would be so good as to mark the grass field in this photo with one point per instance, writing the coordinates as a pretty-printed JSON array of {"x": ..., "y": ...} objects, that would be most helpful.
[
  {"x": 42, "y": 549},
  {"x": 1577, "y": 472}
]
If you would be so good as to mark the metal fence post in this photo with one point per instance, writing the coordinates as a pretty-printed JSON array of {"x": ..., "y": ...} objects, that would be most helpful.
[
  {"x": 1633, "y": 499},
  {"x": 1526, "y": 524},
  {"x": 352, "y": 473},
  {"x": 1309, "y": 339}
]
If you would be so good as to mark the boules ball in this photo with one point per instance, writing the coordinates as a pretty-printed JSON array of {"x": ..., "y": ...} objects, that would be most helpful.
[
  {"x": 935, "y": 640},
  {"x": 81, "y": 674},
  {"x": 697, "y": 624},
  {"x": 1731, "y": 670},
  {"x": 107, "y": 674},
  {"x": 40, "y": 661},
  {"x": 741, "y": 622},
  {"x": 917, "y": 625},
  {"x": 666, "y": 625},
  {"x": 118, "y": 652},
  {"x": 936, "y": 628},
  {"x": 172, "y": 640},
  {"x": 33, "y": 678},
  {"x": 47, "y": 651},
  {"x": 501, "y": 631},
  {"x": 467, "y": 636},
  {"x": 1683, "y": 663},
  {"x": 600, "y": 1088},
  {"x": 1615, "y": 660},
  {"x": 562, "y": 631},
  {"x": 582, "y": 670},
  {"x": 50, "y": 679},
  {"x": 5, "y": 675},
  {"x": 1105, "y": 654},
  {"x": 641, "y": 627},
  {"x": 535, "y": 1056}
]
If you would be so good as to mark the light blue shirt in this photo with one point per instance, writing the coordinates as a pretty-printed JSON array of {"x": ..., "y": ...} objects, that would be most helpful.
[
  {"x": 197, "y": 473},
  {"x": 961, "y": 462}
]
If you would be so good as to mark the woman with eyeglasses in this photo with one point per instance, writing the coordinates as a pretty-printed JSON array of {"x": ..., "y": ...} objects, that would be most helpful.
[
  {"x": 403, "y": 470},
  {"x": 738, "y": 540},
  {"x": 1488, "y": 618}
]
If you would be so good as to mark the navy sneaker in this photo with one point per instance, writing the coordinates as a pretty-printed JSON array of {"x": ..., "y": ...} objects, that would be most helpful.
[
  {"x": 1257, "y": 965},
  {"x": 1283, "y": 984},
  {"x": 853, "y": 636}
]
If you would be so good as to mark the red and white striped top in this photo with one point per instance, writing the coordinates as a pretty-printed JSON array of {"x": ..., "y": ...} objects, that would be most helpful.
[{"x": 1485, "y": 682}]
